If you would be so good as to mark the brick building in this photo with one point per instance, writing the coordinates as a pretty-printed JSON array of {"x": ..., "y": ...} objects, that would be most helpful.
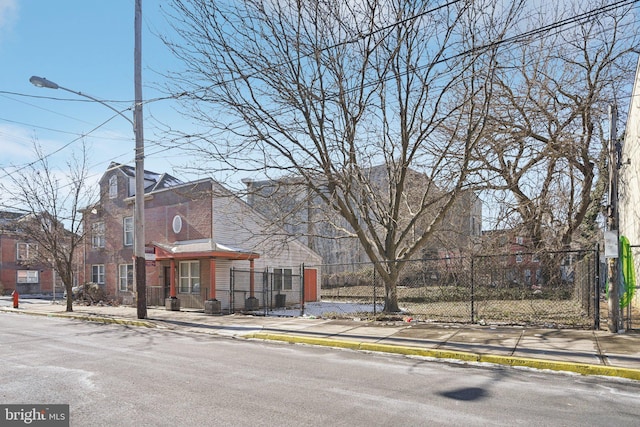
[
  {"x": 196, "y": 234},
  {"x": 310, "y": 219},
  {"x": 21, "y": 266}
]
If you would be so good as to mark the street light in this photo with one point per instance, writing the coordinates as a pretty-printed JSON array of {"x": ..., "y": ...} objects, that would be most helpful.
[
  {"x": 42, "y": 82},
  {"x": 140, "y": 268}
]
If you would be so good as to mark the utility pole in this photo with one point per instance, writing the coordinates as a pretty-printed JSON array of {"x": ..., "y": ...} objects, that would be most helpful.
[
  {"x": 613, "y": 225},
  {"x": 138, "y": 219}
]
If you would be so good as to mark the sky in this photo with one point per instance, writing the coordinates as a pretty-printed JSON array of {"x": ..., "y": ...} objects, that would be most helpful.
[{"x": 88, "y": 47}]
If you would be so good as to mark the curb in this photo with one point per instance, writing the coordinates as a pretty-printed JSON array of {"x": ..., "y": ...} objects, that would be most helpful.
[
  {"x": 85, "y": 317},
  {"x": 579, "y": 368}
]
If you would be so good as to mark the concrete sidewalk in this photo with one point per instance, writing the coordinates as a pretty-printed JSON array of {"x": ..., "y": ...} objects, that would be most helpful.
[{"x": 580, "y": 351}]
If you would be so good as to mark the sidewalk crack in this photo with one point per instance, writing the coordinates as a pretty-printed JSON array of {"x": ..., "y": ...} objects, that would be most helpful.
[
  {"x": 603, "y": 357},
  {"x": 447, "y": 340},
  {"x": 515, "y": 347}
]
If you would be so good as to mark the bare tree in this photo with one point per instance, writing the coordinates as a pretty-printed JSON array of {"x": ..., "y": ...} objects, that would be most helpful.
[
  {"x": 324, "y": 91},
  {"x": 545, "y": 156},
  {"x": 52, "y": 203}
]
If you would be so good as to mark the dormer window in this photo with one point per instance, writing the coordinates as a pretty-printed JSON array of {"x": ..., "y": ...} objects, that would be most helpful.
[{"x": 113, "y": 187}]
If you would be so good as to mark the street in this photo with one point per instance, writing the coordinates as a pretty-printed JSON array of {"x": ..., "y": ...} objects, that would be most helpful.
[{"x": 130, "y": 376}]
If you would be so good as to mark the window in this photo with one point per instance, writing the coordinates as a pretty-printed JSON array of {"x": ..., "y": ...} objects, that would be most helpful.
[
  {"x": 26, "y": 251},
  {"x": 519, "y": 240},
  {"x": 128, "y": 231},
  {"x": 519, "y": 257},
  {"x": 113, "y": 187},
  {"x": 125, "y": 277},
  {"x": 27, "y": 276},
  {"x": 97, "y": 235},
  {"x": 189, "y": 277},
  {"x": 97, "y": 274},
  {"x": 282, "y": 279}
]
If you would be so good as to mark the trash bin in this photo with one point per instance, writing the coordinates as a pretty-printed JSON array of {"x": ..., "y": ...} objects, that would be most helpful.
[{"x": 281, "y": 300}]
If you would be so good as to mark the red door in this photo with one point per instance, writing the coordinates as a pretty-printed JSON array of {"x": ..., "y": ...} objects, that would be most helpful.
[{"x": 310, "y": 285}]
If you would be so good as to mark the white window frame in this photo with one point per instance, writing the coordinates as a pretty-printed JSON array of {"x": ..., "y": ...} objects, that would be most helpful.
[
  {"x": 98, "y": 234},
  {"x": 97, "y": 274},
  {"x": 26, "y": 251},
  {"x": 519, "y": 257},
  {"x": 189, "y": 277},
  {"x": 125, "y": 277},
  {"x": 27, "y": 276},
  {"x": 282, "y": 279},
  {"x": 127, "y": 230},
  {"x": 113, "y": 187}
]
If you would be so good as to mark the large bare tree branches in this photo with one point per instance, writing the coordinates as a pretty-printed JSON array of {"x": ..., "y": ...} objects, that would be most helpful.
[
  {"x": 545, "y": 156},
  {"x": 387, "y": 112},
  {"x": 370, "y": 103},
  {"x": 51, "y": 201}
]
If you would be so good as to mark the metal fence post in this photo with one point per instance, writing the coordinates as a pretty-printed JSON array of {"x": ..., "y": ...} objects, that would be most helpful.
[
  {"x": 232, "y": 308},
  {"x": 472, "y": 290},
  {"x": 265, "y": 291},
  {"x": 374, "y": 292},
  {"x": 596, "y": 288},
  {"x": 302, "y": 290}
]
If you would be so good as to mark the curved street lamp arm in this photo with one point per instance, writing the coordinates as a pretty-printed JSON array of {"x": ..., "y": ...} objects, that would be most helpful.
[{"x": 42, "y": 82}]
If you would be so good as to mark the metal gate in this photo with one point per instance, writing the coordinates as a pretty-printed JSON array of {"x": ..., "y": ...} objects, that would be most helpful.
[{"x": 274, "y": 291}]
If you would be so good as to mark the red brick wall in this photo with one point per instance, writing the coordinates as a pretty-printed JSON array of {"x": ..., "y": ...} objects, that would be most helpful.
[
  {"x": 160, "y": 209},
  {"x": 9, "y": 266}
]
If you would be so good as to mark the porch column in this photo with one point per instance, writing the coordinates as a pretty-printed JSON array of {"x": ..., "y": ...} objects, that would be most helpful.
[
  {"x": 172, "y": 279},
  {"x": 252, "y": 281},
  {"x": 212, "y": 278},
  {"x": 172, "y": 302}
]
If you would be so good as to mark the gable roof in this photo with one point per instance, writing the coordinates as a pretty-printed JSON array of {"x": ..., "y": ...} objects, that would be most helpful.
[
  {"x": 9, "y": 220},
  {"x": 201, "y": 248},
  {"x": 152, "y": 181}
]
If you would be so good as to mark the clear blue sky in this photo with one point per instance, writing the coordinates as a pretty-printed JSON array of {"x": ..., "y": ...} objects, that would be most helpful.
[{"x": 87, "y": 46}]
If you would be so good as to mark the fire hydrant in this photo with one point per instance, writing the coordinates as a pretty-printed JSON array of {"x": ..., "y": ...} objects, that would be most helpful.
[{"x": 15, "y": 296}]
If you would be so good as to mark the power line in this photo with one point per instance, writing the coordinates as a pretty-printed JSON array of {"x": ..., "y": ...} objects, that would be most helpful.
[
  {"x": 512, "y": 40},
  {"x": 551, "y": 29},
  {"x": 518, "y": 38}
]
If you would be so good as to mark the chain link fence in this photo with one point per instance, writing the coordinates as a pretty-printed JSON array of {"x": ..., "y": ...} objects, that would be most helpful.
[
  {"x": 551, "y": 288},
  {"x": 274, "y": 291}
]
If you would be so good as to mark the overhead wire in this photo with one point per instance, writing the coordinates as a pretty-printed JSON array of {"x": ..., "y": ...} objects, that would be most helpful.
[
  {"x": 554, "y": 28},
  {"x": 511, "y": 40}
]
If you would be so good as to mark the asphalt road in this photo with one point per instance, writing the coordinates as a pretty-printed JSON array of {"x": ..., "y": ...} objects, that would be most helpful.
[{"x": 113, "y": 375}]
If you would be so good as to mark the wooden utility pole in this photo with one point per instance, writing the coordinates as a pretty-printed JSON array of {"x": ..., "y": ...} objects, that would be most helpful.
[
  {"x": 613, "y": 225},
  {"x": 138, "y": 219}
]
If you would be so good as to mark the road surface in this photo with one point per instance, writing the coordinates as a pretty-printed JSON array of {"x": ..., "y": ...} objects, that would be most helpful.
[{"x": 114, "y": 375}]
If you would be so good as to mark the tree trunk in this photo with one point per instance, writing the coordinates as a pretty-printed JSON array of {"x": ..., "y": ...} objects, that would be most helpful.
[
  {"x": 68, "y": 287},
  {"x": 391, "y": 289},
  {"x": 391, "y": 298}
]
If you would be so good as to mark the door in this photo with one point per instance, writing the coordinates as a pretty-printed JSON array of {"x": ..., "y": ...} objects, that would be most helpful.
[{"x": 310, "y": 285}]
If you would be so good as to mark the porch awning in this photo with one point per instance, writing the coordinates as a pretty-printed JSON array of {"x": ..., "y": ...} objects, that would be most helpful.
[{"x": 204, "y": 248}]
